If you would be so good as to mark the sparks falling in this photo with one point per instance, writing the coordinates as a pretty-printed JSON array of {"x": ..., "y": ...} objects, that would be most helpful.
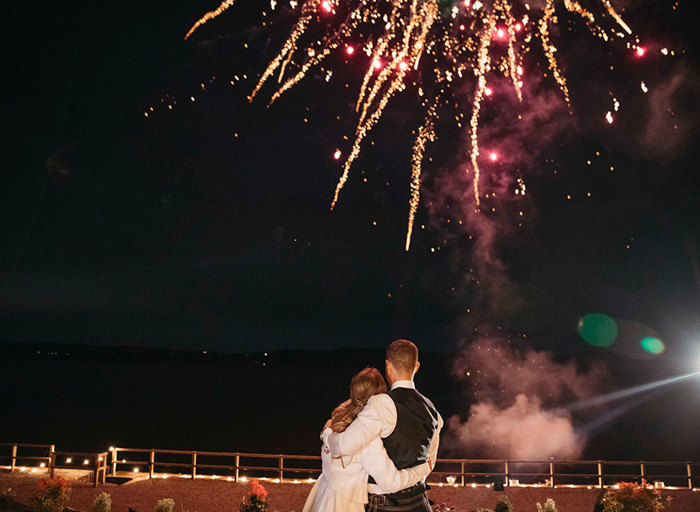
[{"x": 432, "y": 45}]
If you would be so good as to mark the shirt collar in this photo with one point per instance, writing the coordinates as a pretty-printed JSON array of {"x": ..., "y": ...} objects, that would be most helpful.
[{"x": 403, "y": 384}]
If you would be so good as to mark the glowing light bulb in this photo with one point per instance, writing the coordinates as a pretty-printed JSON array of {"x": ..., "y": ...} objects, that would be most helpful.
[
  {"x": 500, "y": 33},
  {"x": 493, "y": 156},
  {"x": 376, "y": 63},
  {"x": 640, "y": 51},
  {"x": 349, "y": 50},
  {"x": 326, "y": 6},
  {"x": 403, "y": 66},
  {"x": 488, "y": 91},
  {"x": 518, "y": 27},
  {"x": 337, "y": 154}
]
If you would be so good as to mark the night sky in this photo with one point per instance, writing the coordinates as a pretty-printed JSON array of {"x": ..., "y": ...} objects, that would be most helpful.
[{"x": 207, "y": 226}]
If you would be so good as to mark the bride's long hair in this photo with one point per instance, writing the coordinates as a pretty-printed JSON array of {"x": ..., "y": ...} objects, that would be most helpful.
[{"x": 367, "y": 383}]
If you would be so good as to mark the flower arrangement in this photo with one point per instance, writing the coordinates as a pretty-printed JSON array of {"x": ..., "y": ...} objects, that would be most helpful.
[
  {"x": 53, "y": 495},
  {"x": 256, "y": 499},
  {"x": 634, "y": 497}
]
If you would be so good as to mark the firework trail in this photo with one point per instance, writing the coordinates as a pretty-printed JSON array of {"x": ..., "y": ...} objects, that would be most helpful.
[{"x": 433, "y": 45}]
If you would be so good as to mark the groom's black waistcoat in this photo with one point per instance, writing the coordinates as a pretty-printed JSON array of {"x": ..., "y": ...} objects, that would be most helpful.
[{"x": 416, "y": 422}]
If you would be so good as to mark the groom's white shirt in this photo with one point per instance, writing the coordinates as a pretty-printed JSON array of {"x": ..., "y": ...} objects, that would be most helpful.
[{"x": 378, "y": 418}]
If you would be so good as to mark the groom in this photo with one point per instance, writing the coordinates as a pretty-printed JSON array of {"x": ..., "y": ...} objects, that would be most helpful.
[{"x": 408, "y": 424}]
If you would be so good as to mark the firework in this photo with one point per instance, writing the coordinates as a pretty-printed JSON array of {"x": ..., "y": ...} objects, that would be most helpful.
[{"x": 433, "y": 45}]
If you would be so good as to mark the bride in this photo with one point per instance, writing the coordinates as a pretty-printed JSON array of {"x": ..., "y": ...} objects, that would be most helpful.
[{"x": 342, "y": 486}]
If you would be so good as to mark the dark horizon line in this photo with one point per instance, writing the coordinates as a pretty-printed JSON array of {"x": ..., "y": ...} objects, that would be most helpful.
[{"x": 61, "y": 350}]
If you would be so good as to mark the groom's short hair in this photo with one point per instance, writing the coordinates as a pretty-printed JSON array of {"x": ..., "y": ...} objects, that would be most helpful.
[{"x": 403, "y": 354}]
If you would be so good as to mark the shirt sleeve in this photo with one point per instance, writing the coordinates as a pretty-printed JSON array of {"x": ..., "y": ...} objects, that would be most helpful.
[
  {"x": 324, "y": 435},
  {"x": 377, "y": 463},
  {"x": 435, "y": 441},
  {"x": 377, "y": 419}
]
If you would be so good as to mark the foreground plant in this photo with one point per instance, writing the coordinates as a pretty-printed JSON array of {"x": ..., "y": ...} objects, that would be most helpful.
[
  {"x": 549, "y": 506},
  {"x": 165, "y": 505},
  {"x": 634, "y": 497},
  {"x": 103, "y": 503},
  {"x": 504, "y": 505},
  {"x": 53, "y": 495},
  {"x": 256, "y": 499},
  {"x": 7, "y": 497}
]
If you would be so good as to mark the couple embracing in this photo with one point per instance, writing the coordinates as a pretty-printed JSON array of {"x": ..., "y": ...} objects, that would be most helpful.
[{"x": 379, "y": 445}]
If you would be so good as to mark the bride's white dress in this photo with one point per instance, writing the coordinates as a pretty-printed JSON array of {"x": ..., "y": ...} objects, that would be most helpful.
[{"x": 342, "y": 486}]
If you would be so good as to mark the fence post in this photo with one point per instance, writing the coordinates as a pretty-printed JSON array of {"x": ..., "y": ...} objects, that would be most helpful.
[
  {"x": 52, "y": 464},
  {"x": 641, "y": 470},
  {"x": 194, "y": 465},
  {"x": 101, "y": 470},
  {"x": 52, "y": 459},
  {"x": 238, "y": 460},
  {"x": 281, "y": 465},
  {"x": 151, "y": 463},
  {"x": 690, "y": 475},
  {"x": 13, "y": 461},
  {"x": 551, "y": 472},
  {"x": 97, "y": 470},
  {"x": 462, "y": 473},
  {"x": 600, "y": 474},
  {"x": 507, "y": 482},
  {"x": 114, "y": 461}
]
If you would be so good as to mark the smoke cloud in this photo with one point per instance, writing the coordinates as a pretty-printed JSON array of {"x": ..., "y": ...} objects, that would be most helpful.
[
  {"x": 519, "y": 133},
  {"x": 518, "y": 393},
  {"x": 522, "y": 431},
  {"x": 519, "y": 396},
  {"x": 671, "y": 118}
]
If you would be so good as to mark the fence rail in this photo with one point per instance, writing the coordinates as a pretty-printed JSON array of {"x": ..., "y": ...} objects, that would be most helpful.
[{"x": 239, "y": 467}]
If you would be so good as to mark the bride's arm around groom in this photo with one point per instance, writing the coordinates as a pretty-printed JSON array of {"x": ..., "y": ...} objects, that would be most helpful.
[
  {"x": 377, "y": 420},
  {"x": 406, "y": 422}
]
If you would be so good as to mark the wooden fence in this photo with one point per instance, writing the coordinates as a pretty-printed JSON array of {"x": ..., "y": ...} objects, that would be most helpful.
[
  {"x": 44, "y": 457},
  {"x": 239, "y": 467}
]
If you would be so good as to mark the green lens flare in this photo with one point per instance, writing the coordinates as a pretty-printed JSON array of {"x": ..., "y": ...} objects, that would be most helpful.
[
  {"x": 653, "y": 345},
  {"x": 598, "y": 329}
]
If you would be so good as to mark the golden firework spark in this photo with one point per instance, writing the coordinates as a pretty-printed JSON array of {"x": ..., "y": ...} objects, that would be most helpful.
[{"x": 434, "y": 45}]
